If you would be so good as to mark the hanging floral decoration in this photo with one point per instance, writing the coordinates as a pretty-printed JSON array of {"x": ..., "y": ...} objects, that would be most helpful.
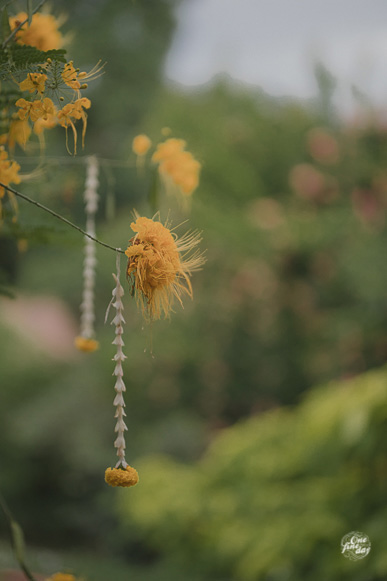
[
  {"x": 85, "y": 341},
  {"x": 122, "y": 474}
]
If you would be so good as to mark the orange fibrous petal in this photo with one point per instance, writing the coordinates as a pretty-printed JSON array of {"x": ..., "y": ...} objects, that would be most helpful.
[{"x": 159, "y": 265}]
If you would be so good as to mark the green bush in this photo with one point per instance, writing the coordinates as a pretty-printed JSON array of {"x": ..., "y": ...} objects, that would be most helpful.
[{"x": 274, "y": 495}]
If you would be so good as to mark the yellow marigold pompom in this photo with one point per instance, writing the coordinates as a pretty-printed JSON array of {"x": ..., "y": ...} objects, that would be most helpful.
[
  {"x": 159, "y": 266},
  {"x": 42, "y": 33},
  {"x": 121, "y": 476},
  {"x": 141, "y": 144},
  {"x": 86, "y": 345}
]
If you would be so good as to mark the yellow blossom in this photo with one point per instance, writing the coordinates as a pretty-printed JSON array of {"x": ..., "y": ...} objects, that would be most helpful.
[
  {"x": 72, "y": 111},
  {"x": 8, "y": 171},
  {"x": 183, "y": 169},
  {"x": 141, "y": 144},
  {"x": 71, "y": 76},
  {"x": 121, "y": 476},
  {"x": 34, "y": 82},
  {"x": 85, "y": 344},
  {"x": 168, "y": 148},
  {"x": 19, "y": 132},
  {"x": 47, "y": 122},
  {"x": 35, "y": 109},
  {"x": 42, "y": 33},
  {"x": 160, "y": 265},
  {"x": 178, "y": 168}
]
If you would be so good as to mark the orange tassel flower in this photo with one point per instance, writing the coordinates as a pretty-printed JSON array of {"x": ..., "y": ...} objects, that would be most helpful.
[{"x": 160, "y": 265}]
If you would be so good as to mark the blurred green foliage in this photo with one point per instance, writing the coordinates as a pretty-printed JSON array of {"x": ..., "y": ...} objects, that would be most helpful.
[{"x": 273, "y": 496}]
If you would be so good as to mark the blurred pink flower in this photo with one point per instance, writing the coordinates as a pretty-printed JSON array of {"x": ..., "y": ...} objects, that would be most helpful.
[
  {"x": 367, "y": 207},
  {"x": 322, "y": 146},
  {"x": 45, "y": 321},
  {"x": 266, "y": 214},
  {"x": 307, "y": 181}
]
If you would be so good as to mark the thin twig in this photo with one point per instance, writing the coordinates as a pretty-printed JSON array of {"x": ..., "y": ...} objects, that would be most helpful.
[
  {"x": 15, "y": 30},
  {"x": 35, "y": 203}
]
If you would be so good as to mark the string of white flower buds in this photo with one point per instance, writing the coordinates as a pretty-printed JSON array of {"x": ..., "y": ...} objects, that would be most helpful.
[
  {"x": 91, "y": 206},
  {"x": 119, "y": 357}
]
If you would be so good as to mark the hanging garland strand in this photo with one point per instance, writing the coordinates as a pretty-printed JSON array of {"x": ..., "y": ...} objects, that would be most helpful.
[
  {"x": 85, "y": 341},
  {"x": 122, "y": 474}
]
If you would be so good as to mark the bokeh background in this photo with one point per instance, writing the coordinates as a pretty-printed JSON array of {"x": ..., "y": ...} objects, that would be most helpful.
[{"x": 259, "y": 424}]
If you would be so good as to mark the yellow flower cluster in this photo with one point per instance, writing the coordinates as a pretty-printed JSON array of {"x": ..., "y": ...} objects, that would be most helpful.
[
  {"x": 177, "y": 166},
  {"x": 178, "y": 169},
  {"x": 159, "y": 267},
  {"x": 38, "y": 109},
  {"x": 42, "y": 33},
  {"x": 121, "y": 477},
  {"x": 43, "y": 113}
]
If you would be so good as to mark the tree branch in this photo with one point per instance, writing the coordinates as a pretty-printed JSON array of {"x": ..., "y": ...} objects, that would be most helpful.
[
  {"x": 35, "y": 203},
  {"x": 15, "y": 30}
]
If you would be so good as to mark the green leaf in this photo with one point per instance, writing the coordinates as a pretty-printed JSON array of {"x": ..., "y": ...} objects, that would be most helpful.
[
  {"x": 20, "y": 57},
  {"x": 18, "y": 541}
]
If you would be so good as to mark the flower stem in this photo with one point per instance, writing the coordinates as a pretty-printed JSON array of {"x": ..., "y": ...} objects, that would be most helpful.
[
  {"x": 31, "y": 201},
  {"x": 17, "y": 540}
]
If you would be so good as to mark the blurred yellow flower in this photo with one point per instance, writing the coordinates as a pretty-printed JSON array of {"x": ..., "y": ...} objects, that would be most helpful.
[
  {"x": 160, "y": 265},
  {"x": 43, "y": 32},
  {"x": 86, "y": 345},
  {"x": 141, "y": 144},
  {"x": 62, "y": 577},
  {"x": 178, "y": 168},
  {"x": 34, "y": 82},
  {"x": 47, "y": 122},
  {"x": 19, "y": 132},
  {"x": 9, "y": 171},
  {"x": 121, "y": 477},
  {"x": 168, "y": 149}
]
